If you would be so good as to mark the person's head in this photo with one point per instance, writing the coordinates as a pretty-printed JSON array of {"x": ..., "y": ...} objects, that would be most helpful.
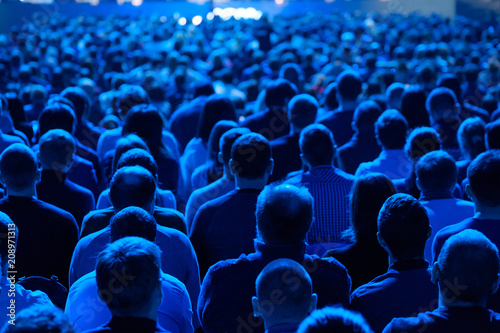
[
  {"x": 436, "y": 171},
  {"x": 368, "y": 194},
  {"x": 484, "y": 179},
  {"x": 132, "y": 186},
  {"x": 204, "y": 88},
  {"x": 329, "y": 100},
  {"x": 469, "y": 260},
  {"x": 57, "y": 148},
  {"x": 80, "y": 100},
  {"x": 413, "y": 107},
  {"x": 390, "y": 129},
  {"x": 139, "y": 292},
  {"x": 217, "y": 107},
  {"x": 442, "y": 104},
  {"x": 226, "y": 143},
  {"x": 56, "y": 115},
  {"x": 284, "y": 214},
  {"x": 393, "y": 95},
  {"x": 38, "y": 94},
  {"x": 40, "y": 318},
  {"x": 334, "y": 319},
  {"x": 278, "y": 93},
  {"x": 471, "y": 137},
  {"x": 365, "y": 116},
  {"x": 316, "y": 145},
  {"x": 302, "y": 110},
  {"x": 146, "y": 122},
  {"x": 349, "y": 85},
  {"x": 294, "y": 285},
  {"x": 18, "y": 168},
  {"x": 125, "y": 144},
  {"x": 132, "y": 221},
  {"x": 140, "y": 157},
  {"x": 451, "y": 82},
  {"x": 251, "y": 157},
  {"x": 129, "y": 97},
  {"x": 421, "y": 141},
  {"x": 8, "y": 231},
  {"x": 217, "y": 132},
  {"x": 403, "y": 227},
  {"x": 492, "y": 135}
]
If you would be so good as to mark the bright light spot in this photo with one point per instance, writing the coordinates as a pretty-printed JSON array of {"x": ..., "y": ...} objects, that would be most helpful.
[
  {"x": 210, "y": 16},
  {"x": 182, "y": 21},
  {"x": 197, "y": 20},
  {"x": 94, "y": 2},
  {"x": 238, "y": 13},
  {"x": 279, "y": 2},
  {"x": 258, "y": 15},
  {"x": 329, "y": 1},
  {"x": 163, "y": 19},
  {"x": 177, "y": 15},
  {"x": 120, "y": 2},
  {"x": 136, "y": 3},
  {"x": 217, "y": 11}
]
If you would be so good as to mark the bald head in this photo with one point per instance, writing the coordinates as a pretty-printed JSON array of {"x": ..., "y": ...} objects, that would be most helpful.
[
  {"x": 56, "y": 150},
  {"x": 18, "y": 167},
  {"x": 284, "y": 214},
  {"x": 132, "y": 186}
]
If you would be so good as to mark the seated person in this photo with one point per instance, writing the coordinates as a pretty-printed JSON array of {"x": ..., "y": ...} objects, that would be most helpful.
[
  {"x": 296, "y": 299},
  {"x": 40, "y": 318},
  {"x": 330, "y": 319},
  {"x": 406, "y": 288},
  {"x": 470, "y": 260}
]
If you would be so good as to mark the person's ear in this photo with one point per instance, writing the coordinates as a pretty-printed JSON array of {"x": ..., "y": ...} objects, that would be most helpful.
[
  {"x": 232, "y": 167},
  {"x": 495, "y": 285},
  {"x": 256, "y": 307},
  {"x": 435, "y": 273},
  {"x": 314, "y": 303},
  {"x": 353, "y": 126},
  {"x": 219, "y": 157},
  {"x": 38, "y": 175},
  {"x": 417, "y": 182},
  {"x": 468, "y": 191},
  {"x": 381, "y": 240},
  {"x": 270, "y": 167},
  {"x": 429, "y": 232}
]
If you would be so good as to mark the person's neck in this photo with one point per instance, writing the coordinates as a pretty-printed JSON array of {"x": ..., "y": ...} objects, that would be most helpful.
[
  {"x": 250, "y": 184},
  {"x": 28, "y": 192},
  {"x": 149, "y": 312},
  {"x": 271, "y": 322},
  {"x": 434, "y": 194},
  {"x": 393, "y": 260},
  {"x": 294, "y": 130},
  {"x": 447, "y": 301},
  {"x": 487, "y": 213},
  {"x": 227, "y": 173},
  {"x": 347, "y": 105}
]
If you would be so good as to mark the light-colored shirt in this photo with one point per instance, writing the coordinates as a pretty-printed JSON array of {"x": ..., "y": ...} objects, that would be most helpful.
[
  {"x": 195, "y": 155},
  {"x": 395, "y": 164}
]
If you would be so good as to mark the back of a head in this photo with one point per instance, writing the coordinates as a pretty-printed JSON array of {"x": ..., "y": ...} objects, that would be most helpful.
[
  {"x": 38, "y": 319},
  {"x": 393, "y": 95},
  {"x": 441, "y": 104},
  {"x": 132, "y": 221},
  {"x": 56, "y": 150},
  {"x": 492, "y": 137},
  {"x": 203, "y": 89},
  {"x": 79, "y": 98},
  {"x": 217, "y": 107},
  {"x": 251, "y": 156},
  {"x": 140, "y": 157},
  {"x": 391, "y": 129},
  {"x": 368, "y": 194},
  {"x": 468, "y": 259},
  {"x": 302, "y": 110},
  {"x": 278, "y": 93},
  {"x": 421, "y": 141},
  {"x": 146, "y": 122},
  {"x": 349, "y": 85},
  {"x": 413, "y": 107},
  {"x": 218, "y": 130},
  {"x": 403, "y": 223},
  {"x": 132, "y": 257},
  {"x": 284, "y": 214},
  {"x": 471, "y": 136},
  {"x": 125, "y": 144},
  {"x": 295, "y": 298},
  {"x": 436, "y": 171},
  {"x": 131, "y": 96},
  {"x": 451, "y": 82},
  {"x": 317, "y": 145},
  {"x": 365, "y": 116},
  {"x": 227, "y": 140},
  {"x": 56, "y": 115},
  {"x": 18, "y": 167},
  {"x": 132, "y": 186},
  {"x": 484, "y": 178},
  {"x": 332, "y": 319}
]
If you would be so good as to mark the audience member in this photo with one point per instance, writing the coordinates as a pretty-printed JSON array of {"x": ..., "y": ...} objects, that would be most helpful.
[
  {"x": 331, "y": 319},
  {"x": 471, "y": 139},
  {"x": 413, "y": 107},
  {"x": 40, "y": 318}
]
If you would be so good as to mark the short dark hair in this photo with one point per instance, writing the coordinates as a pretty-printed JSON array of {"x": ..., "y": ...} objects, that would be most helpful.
[
  {"x": 227, "y": 140},
  {"x": 295, "y": 296},
  {"x": 204, "y": 88},
  {"x": 492, "y": 137},
  {"x": 80, "y": 100},
  {"x": 251, "y": 155},
  {"x": 334, "y": 319},
  {"x": 451, "y": 82},
  {"x": 391, "y": 128},
  {"x": 349, "y": 84},
  {"x": 441, "y": 103},
  {"x": 413, "y": 107},
  {"x": 471, "y": 136},
  {"x": 126, "y": 143},
  {"x": 221, "y": 127},
  {"x": 317, "y": 144},
  {"x": 18, "y": 166},
  {"x": 436, "y": 170},
  {"x": 302, "y": 110},
  {"x": 132, "y": 221},
  {"x": 217, "y": 107},
  {"x": 484, "y": 177},
  {"x": 365, "y": 116},
  {"x": 40, "y": 318},
  {"x": 146, "y": 122},
  {"x": 284, "y": 214},
  {"x": 130, "y": 96},
  {"x": 330, "y": 97},
  {"x": 421, "y": 141},
  {"x": 56, "y": 115},
  {"x": 140, "y": 157},
  {"x": 279, "y": 92},
  {"x": 57, "y": 148},
  {"x": 468, "y": 259},
  {"x": 139, "y": 259},
  {"x": 403, "y": 223},
  {"x": 132, "y": 186}
]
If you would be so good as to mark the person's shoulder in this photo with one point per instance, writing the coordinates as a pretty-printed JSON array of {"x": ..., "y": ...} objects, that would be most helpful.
[
  {"x": 167, "y": 213},
  {"x": 78, "y": 189},
  {"x": 58, "y": 213},
  {"x": 454, "y": 228},
  {"x": 99, "y": 214},
  {"x": 31, "y": 297},
  {"x": 344, "y": 175},
  {"x": 409, "y": 325},
  {"x": 226, "y": 269}
]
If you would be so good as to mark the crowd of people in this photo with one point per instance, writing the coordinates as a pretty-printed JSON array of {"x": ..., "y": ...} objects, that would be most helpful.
[{"x": 316, "y": 173}]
